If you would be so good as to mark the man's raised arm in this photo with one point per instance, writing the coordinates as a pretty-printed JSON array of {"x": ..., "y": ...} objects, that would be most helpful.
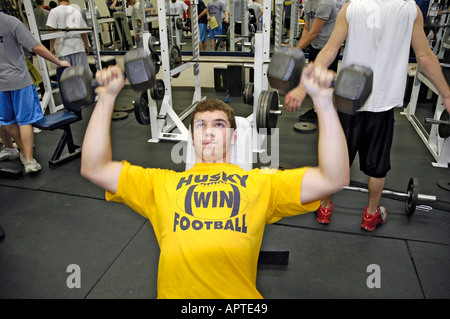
[
  {"x": 333, "y": 171},
  {"x": 96, "y": 159}
]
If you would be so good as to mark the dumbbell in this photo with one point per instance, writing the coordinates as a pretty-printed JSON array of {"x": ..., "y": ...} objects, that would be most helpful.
[
  {"x": 352, "y": 86},
  {"x": 78, "y": 88}
]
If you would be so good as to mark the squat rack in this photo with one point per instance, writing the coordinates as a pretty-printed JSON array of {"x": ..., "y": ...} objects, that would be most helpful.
[
  {"x": 439, "y": 146},
  {"x": 48, "y": 100},
  {"x": 162, "y": 123}
]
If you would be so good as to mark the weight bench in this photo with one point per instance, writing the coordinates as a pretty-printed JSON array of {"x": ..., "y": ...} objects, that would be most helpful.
[
  {"x": 242, "y": 155},
  {"x": 62, "y": 120}
]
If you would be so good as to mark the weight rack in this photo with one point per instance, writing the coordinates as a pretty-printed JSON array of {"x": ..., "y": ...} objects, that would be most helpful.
[{"x": 48, "y": 100}]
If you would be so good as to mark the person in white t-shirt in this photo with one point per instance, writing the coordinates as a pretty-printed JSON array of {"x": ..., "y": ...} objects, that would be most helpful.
[
  {"x": 137, "y": 18},
  {"x": 177, "y": 7},
  {"x": 378, "y": 34},
  {"x": 73, "y": 48}
]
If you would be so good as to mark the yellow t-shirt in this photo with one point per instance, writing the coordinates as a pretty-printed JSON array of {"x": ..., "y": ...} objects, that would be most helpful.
[{"x": 209, "y": 223}]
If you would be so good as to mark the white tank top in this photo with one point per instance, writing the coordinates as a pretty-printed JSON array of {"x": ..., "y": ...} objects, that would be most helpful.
[{"x": 379, "y": 37}]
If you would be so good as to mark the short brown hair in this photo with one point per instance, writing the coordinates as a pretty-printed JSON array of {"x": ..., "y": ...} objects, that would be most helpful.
[{"x": 212, "y": 105}]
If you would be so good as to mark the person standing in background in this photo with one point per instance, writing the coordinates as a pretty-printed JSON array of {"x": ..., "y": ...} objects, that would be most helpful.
[
  {"x": 202, "y": 22},
  {"x": 41, "y": 15},
  {"x": 20, "y": 105},
  {"x": 320, "y": 19},
  {"x": 74, "y": 48}
]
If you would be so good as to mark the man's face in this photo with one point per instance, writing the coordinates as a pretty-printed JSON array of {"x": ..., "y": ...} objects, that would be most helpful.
[{"x": 212, "y": 137}]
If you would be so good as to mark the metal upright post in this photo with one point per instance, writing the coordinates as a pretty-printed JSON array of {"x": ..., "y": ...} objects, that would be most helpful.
[
  {"x": 47, "y": 99},
  {"x": 261, "y": 83},
  {"x": 231, "y": 26},
  {"x": 165, "y": 62},
  {"x": 294, "y": 22},
  {"x": 278, "y": 23},
  {"x": 94, "y": 36},
  {"x": 196, "y": 50},
  {"x": 244, "y": 24}
]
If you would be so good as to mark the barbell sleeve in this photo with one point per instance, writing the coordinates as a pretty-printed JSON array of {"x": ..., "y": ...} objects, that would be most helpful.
[
  {"x": 421, "y": 197},
  {"x": 434, "y": 121},
  {"x": 426, "y": 198}
]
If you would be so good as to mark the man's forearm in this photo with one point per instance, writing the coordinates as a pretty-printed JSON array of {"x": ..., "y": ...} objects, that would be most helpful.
[
  {"x": 332, "y": 148},
  {"x": 85, "y": 40},
  {"x": 52, "y": 45},
  {"x": 96, "y": 158},
  {"x": 326, "y": 56},
  {"x": 433, "y": 71},
  {"x": 46, "y": 54},
  {"x": 97, "y": 150},
  {"x": 306, "y": 40}
]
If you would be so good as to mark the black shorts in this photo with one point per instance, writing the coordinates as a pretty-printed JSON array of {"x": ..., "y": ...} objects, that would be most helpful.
[
  {"x": 287, "y": 23},
  {"x": 370, "y": 134}
]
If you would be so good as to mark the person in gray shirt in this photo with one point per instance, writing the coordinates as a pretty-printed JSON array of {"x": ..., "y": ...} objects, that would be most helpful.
[
  {"x": 320, "y": 19},
  {"x": 41, "y": 15},
  {"x": 20, "y": 106},
  {"x": 215, "y": 8}
]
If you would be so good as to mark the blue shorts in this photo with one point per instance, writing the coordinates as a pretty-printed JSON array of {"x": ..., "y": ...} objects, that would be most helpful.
[
  {"x": 214, "y": 32},
  {"x": 21, "y": 106},
  {"x": 202, "y": 31}
]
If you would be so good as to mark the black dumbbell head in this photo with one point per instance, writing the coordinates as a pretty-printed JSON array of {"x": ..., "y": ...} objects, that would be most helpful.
[
  {"x": 139, "y": 70},
  {"x": 352, "y": 88},
  {"x": 285, "y": 68},
  {"x": 76, "y": 88}
]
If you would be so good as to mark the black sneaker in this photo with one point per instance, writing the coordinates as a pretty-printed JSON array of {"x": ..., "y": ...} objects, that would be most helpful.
[{"x": 308, "y": 116}]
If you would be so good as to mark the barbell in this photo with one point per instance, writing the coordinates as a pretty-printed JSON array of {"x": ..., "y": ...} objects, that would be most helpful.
[
  {"x": 412, "y": 196},
  {"x": 443, "y": 124}
]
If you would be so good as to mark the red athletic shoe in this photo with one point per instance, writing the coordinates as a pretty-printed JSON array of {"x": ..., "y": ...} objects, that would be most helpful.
[
  {"x": 370, "y": 222},
  {"x": 324, "y": 214}
]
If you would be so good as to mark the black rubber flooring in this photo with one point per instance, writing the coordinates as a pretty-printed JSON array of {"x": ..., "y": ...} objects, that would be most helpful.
[{"x": 57, "y": 219}]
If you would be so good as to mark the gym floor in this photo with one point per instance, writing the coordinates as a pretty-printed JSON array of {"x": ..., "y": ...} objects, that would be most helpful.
[{"x": 57, "y": 218}]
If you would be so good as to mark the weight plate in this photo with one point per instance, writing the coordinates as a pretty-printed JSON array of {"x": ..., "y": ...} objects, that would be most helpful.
[
  {"x": 157, "y": 92},
  {"x": 175, "y": 58},
  {"x": 119, "y": 115},
  {"x": 304, "y": 127},
  {"x": 263, "y": 108},
  {"x": 153, "y": 44},
  {"x": 444, "y": 129},
  {"x": 444, "y": 183},
  {"x": 272, "y": 118},
  {"x": 155, "y": 59},
  {"x": 141, "y": 111},
  {"x": 123, "y": 108},
  {"x": 267, "y": 101},
  {"x": 249, "y": 89},
  {"x": 179, "y": 23},
  {"x": 413, "y": 193}
]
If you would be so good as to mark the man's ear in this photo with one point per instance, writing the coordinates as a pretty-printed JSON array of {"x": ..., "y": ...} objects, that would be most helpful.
[{"x": 233, "y": 139}]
